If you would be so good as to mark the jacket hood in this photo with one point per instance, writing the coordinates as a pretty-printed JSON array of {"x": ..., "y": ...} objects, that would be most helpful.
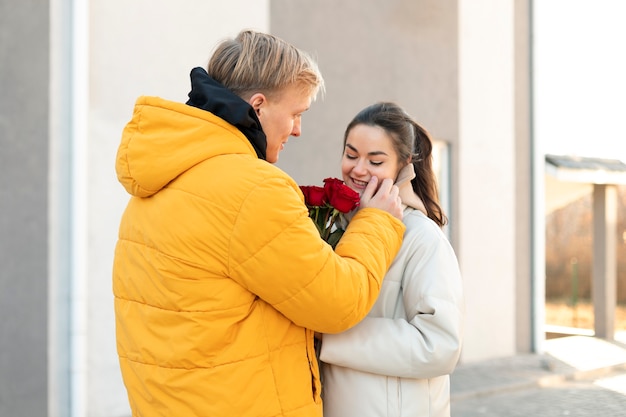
[{"x": 164, "y": 139}]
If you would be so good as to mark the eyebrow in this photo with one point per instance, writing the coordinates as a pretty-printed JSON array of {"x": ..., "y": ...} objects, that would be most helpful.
[{"x": 369, "y": 153}]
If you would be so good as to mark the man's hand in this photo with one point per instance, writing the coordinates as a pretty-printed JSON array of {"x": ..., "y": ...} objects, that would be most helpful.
[{"x": 386, "y": 198}]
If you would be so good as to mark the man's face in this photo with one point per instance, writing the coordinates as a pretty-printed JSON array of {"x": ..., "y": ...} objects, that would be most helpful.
[{"x": 280, "y": 117}]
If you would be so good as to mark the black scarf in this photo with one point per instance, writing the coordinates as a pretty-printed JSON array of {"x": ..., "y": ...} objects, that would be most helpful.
[{"x": 207, "y": 94}]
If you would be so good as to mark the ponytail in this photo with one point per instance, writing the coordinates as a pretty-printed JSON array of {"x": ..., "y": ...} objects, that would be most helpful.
[{"x": 425, "y": 183}]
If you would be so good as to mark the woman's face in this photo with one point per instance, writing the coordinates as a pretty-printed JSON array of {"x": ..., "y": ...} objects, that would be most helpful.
[{"x": 368, "y": 152}]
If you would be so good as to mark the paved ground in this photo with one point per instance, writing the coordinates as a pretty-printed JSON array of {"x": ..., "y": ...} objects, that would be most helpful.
[{"x": 576, "y": 376}]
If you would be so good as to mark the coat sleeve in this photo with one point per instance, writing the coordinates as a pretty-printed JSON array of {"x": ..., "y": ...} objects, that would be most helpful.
[
  {"x": 427, "y": 343},
  {"x": 277, "y": 254}
]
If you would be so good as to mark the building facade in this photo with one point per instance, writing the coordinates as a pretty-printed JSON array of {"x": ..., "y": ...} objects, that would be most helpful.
[{"x": 71, "y": 71}]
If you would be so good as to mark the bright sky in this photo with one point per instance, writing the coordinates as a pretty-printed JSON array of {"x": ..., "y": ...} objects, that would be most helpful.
[{"x": 580, "y": 77}]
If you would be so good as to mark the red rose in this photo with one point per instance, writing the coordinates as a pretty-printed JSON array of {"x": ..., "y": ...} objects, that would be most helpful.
[
  {"x": 313, "y": 195},
  {"x": 330, "y": 185},
  {"x": 326, "y": 205},
  {"x": 340, "y": 196}
]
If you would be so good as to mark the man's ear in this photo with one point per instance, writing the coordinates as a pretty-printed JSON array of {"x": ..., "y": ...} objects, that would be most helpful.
[{"x": 257, "y": 101}]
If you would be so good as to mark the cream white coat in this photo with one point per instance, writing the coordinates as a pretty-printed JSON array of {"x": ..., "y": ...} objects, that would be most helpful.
[{"x": 397, "y": 361}]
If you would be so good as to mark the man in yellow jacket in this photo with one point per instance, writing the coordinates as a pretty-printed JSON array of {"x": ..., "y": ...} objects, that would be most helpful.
[{"x": 220, "y": 277}]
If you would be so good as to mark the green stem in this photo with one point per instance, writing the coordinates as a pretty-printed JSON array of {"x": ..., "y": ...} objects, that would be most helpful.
[{"x": 333, "y": 217}]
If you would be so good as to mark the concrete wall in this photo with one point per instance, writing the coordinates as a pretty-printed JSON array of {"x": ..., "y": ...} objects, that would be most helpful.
[
  {"x": 369, "y": 51},
  {"x": 451, "y": 64},
  {"x": 68, "y": 91},
  {"x": 24, "y": 54}
]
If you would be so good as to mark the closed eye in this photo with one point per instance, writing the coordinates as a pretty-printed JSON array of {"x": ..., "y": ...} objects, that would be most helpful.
[{"x": 353, "y": 157}]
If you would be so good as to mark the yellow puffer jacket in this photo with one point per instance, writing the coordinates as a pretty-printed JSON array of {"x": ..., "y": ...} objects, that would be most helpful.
[{"x": 220, "y": 277}]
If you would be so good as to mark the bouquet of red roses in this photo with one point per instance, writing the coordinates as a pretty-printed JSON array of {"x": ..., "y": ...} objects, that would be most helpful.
[{"x": 326, "y": 204}]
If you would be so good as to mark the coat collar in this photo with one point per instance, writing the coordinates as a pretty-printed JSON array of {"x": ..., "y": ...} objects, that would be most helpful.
[
  {"x": 207, "y": 94},
  {"x": 407, "y": 194}
]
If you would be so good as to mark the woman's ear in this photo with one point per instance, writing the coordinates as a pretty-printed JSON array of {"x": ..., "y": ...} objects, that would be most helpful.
[{"x": 257, "y": 101}]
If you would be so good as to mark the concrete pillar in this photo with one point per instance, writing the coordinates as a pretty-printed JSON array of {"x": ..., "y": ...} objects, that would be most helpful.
[
  {"x": 604, "y": 271},
  {"x": 526, "y": 310},
  {"x": 24, "y": 111},
  {"x": 485, "y": 181}
]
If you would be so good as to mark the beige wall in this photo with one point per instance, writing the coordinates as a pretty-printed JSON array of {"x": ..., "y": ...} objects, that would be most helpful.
[
  {"x": 451, "y": 64},
  {"x": 368, "y": 51}
]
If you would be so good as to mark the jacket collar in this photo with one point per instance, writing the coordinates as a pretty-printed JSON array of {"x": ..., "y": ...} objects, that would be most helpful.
[
  {"x": 407, "y": 194},
  {"x": 207, "y": 94}
]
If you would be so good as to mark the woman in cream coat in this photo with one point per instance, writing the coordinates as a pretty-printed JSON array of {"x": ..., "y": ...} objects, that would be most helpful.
[{"x": 397, "y": 361}]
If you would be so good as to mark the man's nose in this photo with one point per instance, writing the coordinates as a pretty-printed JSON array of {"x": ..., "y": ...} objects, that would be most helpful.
[{"x": 297, "y": 129}]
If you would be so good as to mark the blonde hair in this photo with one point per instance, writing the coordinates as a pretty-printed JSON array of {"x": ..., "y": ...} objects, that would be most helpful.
[{"x": 258, "y": 62}]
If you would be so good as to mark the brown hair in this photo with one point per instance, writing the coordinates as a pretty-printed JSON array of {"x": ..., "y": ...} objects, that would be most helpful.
[{"x": 411, "y": 142}]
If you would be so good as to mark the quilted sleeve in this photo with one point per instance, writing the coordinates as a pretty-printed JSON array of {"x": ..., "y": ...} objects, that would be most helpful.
[{"x": 277, "y": 254}]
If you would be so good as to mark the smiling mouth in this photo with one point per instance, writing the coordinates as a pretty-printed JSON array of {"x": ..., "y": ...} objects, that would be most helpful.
[{"x": 360, "y": 184}]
